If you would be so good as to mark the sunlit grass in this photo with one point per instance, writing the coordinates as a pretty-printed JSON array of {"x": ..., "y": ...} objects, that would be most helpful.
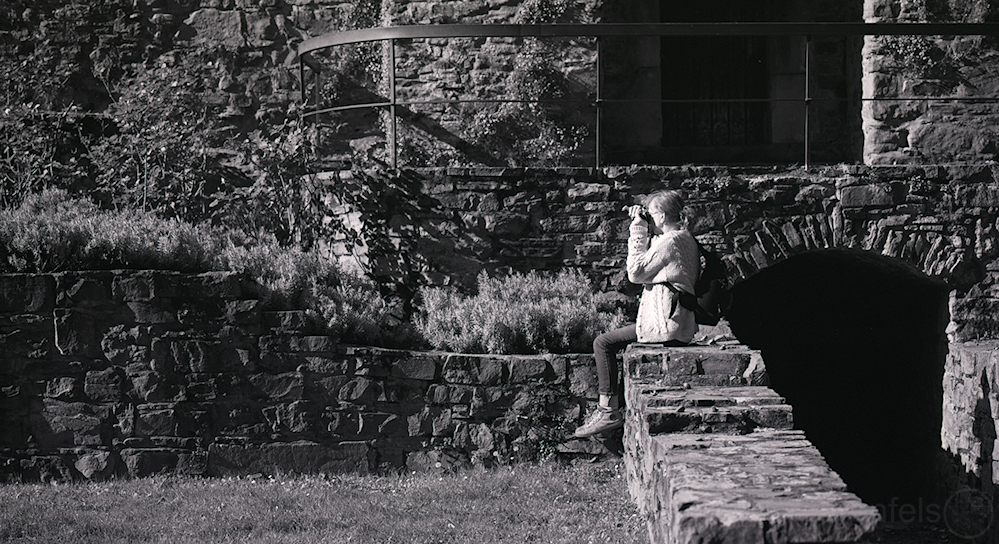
[{"x": 524, "y": 503}]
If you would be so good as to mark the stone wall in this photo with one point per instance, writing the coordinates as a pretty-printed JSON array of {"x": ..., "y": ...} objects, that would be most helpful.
[
  {"x": 970, "y": 420},
  {"x": 912, "y": 126},
  {"x": 140, "y": 372}
]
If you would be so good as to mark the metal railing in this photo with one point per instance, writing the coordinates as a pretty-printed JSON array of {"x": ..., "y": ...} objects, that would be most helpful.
[{"x": 598, "y": 31}]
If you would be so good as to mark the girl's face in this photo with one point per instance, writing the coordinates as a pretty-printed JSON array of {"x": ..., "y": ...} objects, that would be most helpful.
[{"x": 658, "y": 217}]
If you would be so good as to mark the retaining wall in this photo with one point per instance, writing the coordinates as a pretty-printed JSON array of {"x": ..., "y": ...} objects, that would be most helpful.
[{"x": 141, "y": 372}]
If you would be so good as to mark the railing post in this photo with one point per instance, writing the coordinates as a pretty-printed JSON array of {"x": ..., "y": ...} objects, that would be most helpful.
[
  {"x": 808, "y": 99},
  {"x": 393, "y": 149},
  {"x": 598, "y": 105}
]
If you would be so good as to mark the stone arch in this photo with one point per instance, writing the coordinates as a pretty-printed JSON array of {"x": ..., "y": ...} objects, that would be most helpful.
[
  {"x": 928, "y": 249},
  {"x": 856, "y": 341}
]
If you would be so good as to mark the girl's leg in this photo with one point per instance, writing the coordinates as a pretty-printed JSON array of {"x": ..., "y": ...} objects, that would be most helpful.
[{"x": 605, "y": 348}]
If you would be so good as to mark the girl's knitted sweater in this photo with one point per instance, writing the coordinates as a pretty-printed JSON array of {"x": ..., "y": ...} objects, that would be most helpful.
[{"x": 669, "y": 257}]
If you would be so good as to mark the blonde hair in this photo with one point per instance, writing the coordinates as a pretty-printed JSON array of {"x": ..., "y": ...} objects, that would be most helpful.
[{"x": 669, "y": 202}]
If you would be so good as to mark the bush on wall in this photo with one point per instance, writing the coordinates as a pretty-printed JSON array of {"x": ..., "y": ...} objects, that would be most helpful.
[{"x": 522, "y": 313}]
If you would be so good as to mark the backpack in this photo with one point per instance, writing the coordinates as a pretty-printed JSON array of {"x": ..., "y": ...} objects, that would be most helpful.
[{"x": 709, "y": 289}]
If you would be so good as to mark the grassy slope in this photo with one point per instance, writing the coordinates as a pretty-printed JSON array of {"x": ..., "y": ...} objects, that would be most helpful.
[{"x": 524, "y": 503}]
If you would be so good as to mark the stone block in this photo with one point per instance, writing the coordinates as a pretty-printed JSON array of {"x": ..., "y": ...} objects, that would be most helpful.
[
  {"x": 75, "y": 333},
  {"x": 151, "y": 387},
  {"x": 416, "y": 367},
  {"x": 361, "y": 391},
  {"x": 156, "y": 420},
  {"x": 135, "y": 286},
  {"x": 57, "y": 424},
  {"x": 294, "y": 417},
  {"x": 27, "y": 293},
  {"x": 288, "y": 386},
  {"x": 142, "y": 462},
  {"x": 91, "y": 289},
  {"x": 693, "y": 365},
  {"x": 64, "y": 388},
  {"x": 218, "y": 27},
  {"x": 450, "y": 394},
  {"x": 96, "y": 465},
  {"x": 859, "y": 196},
  {"x": 473, "y": 369},
  {"x": 301, "y": 457},
  {"x": 159, "y": 312},
  {"x": 527, "y": 369}
]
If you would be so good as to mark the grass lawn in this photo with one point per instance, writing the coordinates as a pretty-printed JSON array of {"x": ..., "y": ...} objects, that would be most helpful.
[{"x": 546, "y": 502}]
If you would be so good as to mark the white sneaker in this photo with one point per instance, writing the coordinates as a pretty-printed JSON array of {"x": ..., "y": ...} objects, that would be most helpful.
[{"x": 601, "y": 420}]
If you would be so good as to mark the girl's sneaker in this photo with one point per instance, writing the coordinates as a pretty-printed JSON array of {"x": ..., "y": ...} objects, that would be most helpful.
[{"x": 601, "y": 420}]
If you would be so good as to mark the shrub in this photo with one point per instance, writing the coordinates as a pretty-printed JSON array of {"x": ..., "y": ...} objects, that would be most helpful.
[
  {"x": 52, "y": 231},
  {"x": 522, "y": 313}
]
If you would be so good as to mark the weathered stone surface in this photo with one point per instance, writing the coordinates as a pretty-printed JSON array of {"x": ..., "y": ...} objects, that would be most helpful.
[
  {"x": 141, "y": 462},
  {"x": 300, "y": 457},
  {"x": 360, "y": 391},
  {"x": 97, "y": 465},
  {"x": 103, "y": 385},
  {"x": 416, "y": 367},
  {"x": 58, "y": 424},
  {"x": 721, "y": 464},
  {"x": 65, "y": 389},
  {"x": 27, "y": 293},
  {"x": 692, "y": 365},
  {"x": 280, "y": 387},
  {"x": 473, "y": 369},
  {"x": 225, "y": 28}
]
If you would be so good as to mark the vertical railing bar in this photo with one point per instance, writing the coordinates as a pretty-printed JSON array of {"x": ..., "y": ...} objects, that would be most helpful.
[
  {"x": 598, "y": 106},
  {"x": 808, "y": 99},
  {"x": 392, "y": 107}
]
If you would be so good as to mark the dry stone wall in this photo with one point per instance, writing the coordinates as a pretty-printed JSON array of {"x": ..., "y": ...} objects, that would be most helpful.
[{"x": 142, "y": 372}]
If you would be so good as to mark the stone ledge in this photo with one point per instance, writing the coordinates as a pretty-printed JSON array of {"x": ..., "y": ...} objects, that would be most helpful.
[
  {"x": 769, "y": 486},
  {"x": 712, "y": 409},
  {"x": 708, "y": 462},
  {"x": 729, "y": 365}
]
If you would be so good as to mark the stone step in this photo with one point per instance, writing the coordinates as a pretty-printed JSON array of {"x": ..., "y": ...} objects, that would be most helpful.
[
  {"x": 694, "y": 365},
  {"x": 706, "y": 409}
]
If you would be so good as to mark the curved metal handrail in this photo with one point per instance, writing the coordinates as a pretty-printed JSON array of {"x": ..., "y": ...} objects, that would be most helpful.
[
  {"x": 806, "y": 29},
  {"x": 644, "y": 29}
]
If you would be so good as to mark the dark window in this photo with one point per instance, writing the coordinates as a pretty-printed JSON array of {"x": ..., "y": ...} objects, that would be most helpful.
[
  {"x": 715, "y": 89},
  {"x": 721, "y": 77}
]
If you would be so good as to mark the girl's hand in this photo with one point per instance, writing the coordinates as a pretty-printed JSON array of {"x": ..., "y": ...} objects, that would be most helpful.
[{"x": 635, "y": 212}]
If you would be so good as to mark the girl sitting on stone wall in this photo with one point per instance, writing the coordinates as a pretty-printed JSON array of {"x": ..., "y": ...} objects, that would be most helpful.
[{"x": 663, "y": 256}]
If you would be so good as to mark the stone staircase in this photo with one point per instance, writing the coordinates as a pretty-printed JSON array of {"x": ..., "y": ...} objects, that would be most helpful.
[{"x": 712, "y": 457}]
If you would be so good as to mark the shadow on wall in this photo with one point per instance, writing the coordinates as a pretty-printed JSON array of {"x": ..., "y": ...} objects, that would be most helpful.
[{"x": 856, "y": 343}]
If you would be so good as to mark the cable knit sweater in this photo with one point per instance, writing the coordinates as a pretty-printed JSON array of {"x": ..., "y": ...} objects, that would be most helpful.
[{"x": 669, "y": 257}]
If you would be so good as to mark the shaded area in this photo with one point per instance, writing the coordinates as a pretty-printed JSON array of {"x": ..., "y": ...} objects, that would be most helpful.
[{"x": 856, "y": 343}]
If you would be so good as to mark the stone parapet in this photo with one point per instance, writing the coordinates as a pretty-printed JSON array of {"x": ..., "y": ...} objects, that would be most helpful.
[{"x": 711, "y": 462}]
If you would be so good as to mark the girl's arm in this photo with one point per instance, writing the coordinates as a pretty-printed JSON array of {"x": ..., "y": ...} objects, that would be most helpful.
[{"x": 645, "y": 259}]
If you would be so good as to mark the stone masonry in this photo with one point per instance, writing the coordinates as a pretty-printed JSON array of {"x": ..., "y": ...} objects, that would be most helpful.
[
  {"x": 712, "y": 458},
  {"x": 142, "y": 372}
]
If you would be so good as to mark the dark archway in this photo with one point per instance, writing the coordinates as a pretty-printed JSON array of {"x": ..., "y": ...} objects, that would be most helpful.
[{"x": 856, "y": 343}]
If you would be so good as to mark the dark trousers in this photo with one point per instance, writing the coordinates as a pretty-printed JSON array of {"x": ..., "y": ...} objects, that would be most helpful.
[{"x": 605, "y": 348}]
